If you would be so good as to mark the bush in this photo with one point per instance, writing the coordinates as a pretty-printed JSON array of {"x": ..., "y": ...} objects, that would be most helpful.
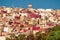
[
  {"x": 55, "y": 35},
  {"x": 30, "y": 37},
  {"x": 21, "y": 37},
  {"x": 40, "y": 36},
  {"x": 14, "y": 37},
  {"x": 56, "y": 28},
  {"x": 8, "y": 38}
]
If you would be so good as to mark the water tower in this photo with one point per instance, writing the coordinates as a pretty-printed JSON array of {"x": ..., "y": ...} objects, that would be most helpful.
[{"x": 30, "y": 6}]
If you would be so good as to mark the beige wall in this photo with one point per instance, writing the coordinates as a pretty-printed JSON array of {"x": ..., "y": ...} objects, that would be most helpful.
[{"x": 2, "y": 38}]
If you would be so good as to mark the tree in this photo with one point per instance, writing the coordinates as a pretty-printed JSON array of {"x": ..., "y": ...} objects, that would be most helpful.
[
  {"x": 55, "y": 28},
  {"x": 54, "y": 35},
  {"x": 31, "y": 36},
  {"x": 21, "y": 37},
  {"x": 8, "y": 38},
  {"x": 12, "y": 37},
  {"x": 40, "y": 36}
]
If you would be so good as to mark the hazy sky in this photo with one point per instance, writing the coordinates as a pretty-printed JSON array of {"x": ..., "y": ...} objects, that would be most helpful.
[{"x": 55, "y": 4}]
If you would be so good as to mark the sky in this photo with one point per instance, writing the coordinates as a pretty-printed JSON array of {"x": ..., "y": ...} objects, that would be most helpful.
[{"x": 55, "y": 4}]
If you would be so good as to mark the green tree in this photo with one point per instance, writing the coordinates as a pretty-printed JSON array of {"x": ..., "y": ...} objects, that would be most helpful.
[
  {"x": 40, "y": 36},
  {"x": 54, "y": 35},
  {"x": 21, "y": 37},
  {"x": 12, "y": 37},
  {"x": 31, "y": 36},
  {"x": 55, "y": 28}
]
